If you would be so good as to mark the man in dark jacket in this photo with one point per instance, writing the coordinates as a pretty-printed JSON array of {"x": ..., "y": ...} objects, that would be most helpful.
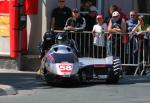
[
  {"x": 59, "y": 16},
  {"x": 91, "y": 18},
  {"x": 76, "y": 22}
]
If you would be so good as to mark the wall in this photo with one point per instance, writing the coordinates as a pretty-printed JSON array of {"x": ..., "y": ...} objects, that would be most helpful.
[{"x": 34, "y": 30}]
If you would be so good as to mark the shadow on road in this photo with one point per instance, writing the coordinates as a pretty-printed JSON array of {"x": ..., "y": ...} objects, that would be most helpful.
[
  {"x": 130, "y": 79},
  {"x": 22, "y": 81},
  {"x": 28, "y": 81}
]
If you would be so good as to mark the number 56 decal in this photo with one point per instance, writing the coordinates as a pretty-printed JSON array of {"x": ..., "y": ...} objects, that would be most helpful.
[{"x": 65, "y": 67}]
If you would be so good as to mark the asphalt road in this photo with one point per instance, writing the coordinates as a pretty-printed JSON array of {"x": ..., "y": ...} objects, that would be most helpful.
[{"x": 129, "y": 90}]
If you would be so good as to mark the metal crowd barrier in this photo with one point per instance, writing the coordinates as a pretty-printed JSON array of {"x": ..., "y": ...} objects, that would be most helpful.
[{"x": 132, "y": 49}]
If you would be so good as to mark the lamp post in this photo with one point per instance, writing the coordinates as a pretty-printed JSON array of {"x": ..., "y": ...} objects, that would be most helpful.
[{"x": 21, "y": 25}]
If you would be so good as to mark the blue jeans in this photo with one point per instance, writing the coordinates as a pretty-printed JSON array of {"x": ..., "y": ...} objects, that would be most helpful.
[{"x": 109, "y": 47}]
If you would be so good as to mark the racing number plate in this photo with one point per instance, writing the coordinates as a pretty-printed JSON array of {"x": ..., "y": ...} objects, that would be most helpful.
[{"x": 65, "y": 67}]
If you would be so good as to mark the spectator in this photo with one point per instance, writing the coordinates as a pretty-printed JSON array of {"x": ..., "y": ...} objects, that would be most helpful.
[
  {"x": 143, "y": 40},
  {"x": 76, "y": 22},
  {"x": 85, "y": 6},
  {"x": 59, "y": 16},
  {"x": 91, "y": 18},
  {"x": 116, "y": 24},
  {"x": 99, "y": 38},
  {"x": 90, "y": 22},
  {"x": 133, "y": 21},
  {"x": 141, "y": 26},
  {"x": 111, "y": 9}
]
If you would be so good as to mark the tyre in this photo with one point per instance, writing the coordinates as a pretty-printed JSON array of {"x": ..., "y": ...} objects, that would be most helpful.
[
  {"x": 47, "y": 77},
  {"x": 115, "y": 72},
  {"x": 112, "y": 79},
  {"x": 82, "y": 76}
]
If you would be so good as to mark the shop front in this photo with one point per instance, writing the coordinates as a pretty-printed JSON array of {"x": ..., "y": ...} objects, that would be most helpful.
[{"x": 4, "y": 28}]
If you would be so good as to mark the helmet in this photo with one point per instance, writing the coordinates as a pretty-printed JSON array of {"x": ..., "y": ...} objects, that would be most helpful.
[
  {"x": 48, "y": 36},
  {"x": 99, "y": 17},
  {"x": 61, "y": 38}
]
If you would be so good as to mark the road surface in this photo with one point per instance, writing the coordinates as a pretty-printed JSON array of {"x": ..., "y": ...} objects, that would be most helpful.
[{"x": 129, "y": 90}]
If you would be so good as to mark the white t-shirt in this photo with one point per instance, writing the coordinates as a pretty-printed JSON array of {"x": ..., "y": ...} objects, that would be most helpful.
[
  {"x": 99, "y": 39},
  {"x": 98, "y": 28}
]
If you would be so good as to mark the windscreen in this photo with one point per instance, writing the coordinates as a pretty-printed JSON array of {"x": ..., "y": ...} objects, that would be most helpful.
[{"x": 60, "y": 57}]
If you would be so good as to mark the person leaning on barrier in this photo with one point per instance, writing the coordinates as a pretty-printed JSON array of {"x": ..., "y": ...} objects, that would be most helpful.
[
  {"x": 113, "y": 8},
  {"x": 116, "y": 25},
  {"x": 76, "y": 22},
  {"x": 141, "y": 26},
  {"x": 59, "y": 16},
  {"x": 142, "y": 33},
  {"x": 99, "y": 38}
]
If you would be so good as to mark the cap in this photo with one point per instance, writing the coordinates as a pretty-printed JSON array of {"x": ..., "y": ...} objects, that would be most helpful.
[
  {"x": 115, "y": 13},
  {"x": 93, "y": 8},
  {"x": 75, "y": 10},
  {"x": 99, "y": 17}
]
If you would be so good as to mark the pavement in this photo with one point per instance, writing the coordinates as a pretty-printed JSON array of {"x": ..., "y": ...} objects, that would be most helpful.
[
  {"x": 7, "y": 89},
  {"x": 8, "y": 65}
]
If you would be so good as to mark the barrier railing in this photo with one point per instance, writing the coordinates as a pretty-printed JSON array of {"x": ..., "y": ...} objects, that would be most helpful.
[{"x": 133, "y": 49}]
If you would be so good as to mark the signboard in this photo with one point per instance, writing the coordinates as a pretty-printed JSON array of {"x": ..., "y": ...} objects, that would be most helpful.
[
  {"x": 9, "y": 29},
  {"x": 4, "y": 25},
  {"x": 4, "y": 18},
  {"x": 4, "y": 6}
]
